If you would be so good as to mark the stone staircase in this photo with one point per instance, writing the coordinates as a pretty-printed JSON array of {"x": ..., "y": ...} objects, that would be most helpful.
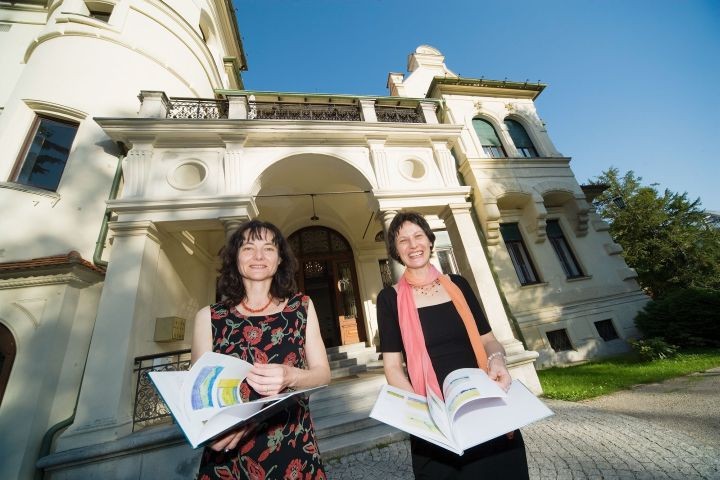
[{"x": 340, "y": 411}]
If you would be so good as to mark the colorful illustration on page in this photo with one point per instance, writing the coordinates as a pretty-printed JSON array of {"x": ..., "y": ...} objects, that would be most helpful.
[{"x": 201, "y": 394}]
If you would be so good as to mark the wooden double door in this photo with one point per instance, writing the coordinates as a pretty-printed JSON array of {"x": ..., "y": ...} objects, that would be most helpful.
[{"x": 327, "y": 274}]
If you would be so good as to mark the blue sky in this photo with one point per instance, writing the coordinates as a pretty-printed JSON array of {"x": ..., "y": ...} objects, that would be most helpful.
[{"x": 631, "y": 83}]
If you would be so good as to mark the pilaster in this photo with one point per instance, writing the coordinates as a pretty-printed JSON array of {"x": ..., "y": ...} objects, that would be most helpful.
[
  {"x": 446, "y": 163},
  {"x": 469, "y": 252},
  {"x": 105, "y": 405},
  {"x": 136, "y": 167},
  {"x": 232, "y": 166},
  {"x": 380, "y": 162}
]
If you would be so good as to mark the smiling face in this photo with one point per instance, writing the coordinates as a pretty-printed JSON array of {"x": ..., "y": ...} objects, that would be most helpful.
[
  {"x": 413, "y": 246},
  {"x": 258, "y": 257}
]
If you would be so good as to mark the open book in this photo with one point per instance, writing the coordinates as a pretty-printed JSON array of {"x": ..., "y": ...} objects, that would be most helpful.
[
  {"x": 206, "y": 400},
  {"x": 475, "y": 410}
]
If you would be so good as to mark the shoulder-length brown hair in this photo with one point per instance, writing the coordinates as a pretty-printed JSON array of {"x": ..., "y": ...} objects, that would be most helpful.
[{"x": 230, "y": 285}]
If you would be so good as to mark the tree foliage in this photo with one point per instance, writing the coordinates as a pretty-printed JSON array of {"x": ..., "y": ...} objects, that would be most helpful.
[{"x": 667, "y": 238}]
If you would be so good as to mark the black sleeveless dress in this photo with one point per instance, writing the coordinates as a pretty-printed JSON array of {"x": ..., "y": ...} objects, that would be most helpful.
[{"x": 284, "y": 445}]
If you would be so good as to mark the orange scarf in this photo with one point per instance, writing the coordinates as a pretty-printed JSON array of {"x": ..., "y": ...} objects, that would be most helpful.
[{"x": 416, "y": 354}]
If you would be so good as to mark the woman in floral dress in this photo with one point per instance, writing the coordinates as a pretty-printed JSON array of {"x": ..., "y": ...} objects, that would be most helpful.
[{"x": 264, "y": 321}]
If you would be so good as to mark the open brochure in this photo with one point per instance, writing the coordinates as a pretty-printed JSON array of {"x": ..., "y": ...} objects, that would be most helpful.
[
  {"x": 475, "y": 410},
  {"x": 206, "y": 400}
]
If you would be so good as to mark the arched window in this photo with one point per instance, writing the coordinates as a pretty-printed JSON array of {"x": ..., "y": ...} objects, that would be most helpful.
[
  {"x": 488, "y": 138},
  {"x": 521, "y": 139},
  {"x": 7, "y": 357}
]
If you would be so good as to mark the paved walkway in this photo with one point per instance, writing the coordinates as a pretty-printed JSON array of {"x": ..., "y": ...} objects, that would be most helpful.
[{"x": 660, "y": 431}]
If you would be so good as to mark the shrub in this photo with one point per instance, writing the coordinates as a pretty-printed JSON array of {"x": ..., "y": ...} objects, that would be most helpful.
[
  {"x": 654, "y": 348},
  {"x": 686, "y": 317}
]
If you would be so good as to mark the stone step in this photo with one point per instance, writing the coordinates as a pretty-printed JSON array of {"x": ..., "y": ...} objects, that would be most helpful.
[{"x": 341, "y": 416}]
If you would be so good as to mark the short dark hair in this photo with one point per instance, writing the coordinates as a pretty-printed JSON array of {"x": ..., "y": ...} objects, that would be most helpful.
[
  {"x": 397, "y": 223},
  {"x": 230, "y": 285}
]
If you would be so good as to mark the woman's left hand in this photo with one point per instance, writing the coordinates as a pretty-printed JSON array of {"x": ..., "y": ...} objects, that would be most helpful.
[
  {"x": 497, "y": 371},
  {"x": 271, "y": 378}
]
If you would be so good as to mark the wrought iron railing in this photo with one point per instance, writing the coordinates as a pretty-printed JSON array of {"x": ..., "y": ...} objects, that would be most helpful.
[
  {"x": 303, "y": 111},
  {"x": 197, "y": 108},
  {"x": 149, "y": 408},
  {"x": 398, "y": 114}
]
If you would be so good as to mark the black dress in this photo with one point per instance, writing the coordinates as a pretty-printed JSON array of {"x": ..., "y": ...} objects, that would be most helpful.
[
  {"x": 284, "y": 445},
  {"x": 449, "y": 348}
]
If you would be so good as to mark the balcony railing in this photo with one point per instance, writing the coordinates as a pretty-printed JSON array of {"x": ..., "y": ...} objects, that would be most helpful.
[
  {"x": 149, "y": 408},
  {"x": 197, "y": 108},
  {"x": 398, "y": 114},
  {"x": 248, "y": 108},
  {"x": 303, "y": 111}
]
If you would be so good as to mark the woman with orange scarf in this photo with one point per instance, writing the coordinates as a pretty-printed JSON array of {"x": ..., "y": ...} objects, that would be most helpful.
[{"x": 435, "y": 324}]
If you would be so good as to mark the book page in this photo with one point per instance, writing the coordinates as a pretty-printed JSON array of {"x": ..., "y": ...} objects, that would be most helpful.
[
  {"x": 438, "y": 412},
  {"x": 479, "y": 421},
  {"x": 169, "y": 385},
  {"x": 409, "y": 412},
  {"x": 467, "y": 385},
  {"x": 213, "y": 383}
]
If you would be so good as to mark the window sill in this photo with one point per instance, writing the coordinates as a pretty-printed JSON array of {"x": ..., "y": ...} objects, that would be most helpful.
[
  {"x": 28, "y": 189},
  {"x": 579, "y": 279},
  {"x": 534, "y": 285}
]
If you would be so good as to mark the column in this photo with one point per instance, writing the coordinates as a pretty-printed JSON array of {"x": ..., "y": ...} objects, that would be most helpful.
[
  {"x": 471, "y": 257},
  {"x": 105, "y": 406},
  {"x": 396, "y": 268}
]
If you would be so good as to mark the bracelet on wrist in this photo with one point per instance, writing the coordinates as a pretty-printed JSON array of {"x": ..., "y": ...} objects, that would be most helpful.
[{"x": 496, "y": 355}]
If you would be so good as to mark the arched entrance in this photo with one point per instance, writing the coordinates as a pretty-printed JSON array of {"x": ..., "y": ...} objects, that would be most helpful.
[
  {"x": 327, "y": 274},
  {"x": 7, "y": 357}
]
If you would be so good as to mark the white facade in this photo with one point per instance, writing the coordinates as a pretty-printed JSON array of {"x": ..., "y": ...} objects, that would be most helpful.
[{"x": 350, "y": 161}]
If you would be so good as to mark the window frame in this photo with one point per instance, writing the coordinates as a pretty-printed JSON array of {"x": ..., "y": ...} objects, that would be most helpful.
[
  {"x": 27, "y": 144},
  {"x": 524, "y": 151},
  {"x": 490, "y": 150},
  {"x": 561, "y": 330},
  {"x": 568, "y": 251},
  {"x": 524, "y": 252}
]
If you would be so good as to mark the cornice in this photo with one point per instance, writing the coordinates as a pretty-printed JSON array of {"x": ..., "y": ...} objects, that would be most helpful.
[
  {"x": 77, "y": 278},
  {"x": 210, "y": 133},
  {"x": 485, "y": 88}
]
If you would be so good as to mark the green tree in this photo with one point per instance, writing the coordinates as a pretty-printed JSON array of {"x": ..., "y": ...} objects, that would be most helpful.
[{"x": 665, "y": 237}]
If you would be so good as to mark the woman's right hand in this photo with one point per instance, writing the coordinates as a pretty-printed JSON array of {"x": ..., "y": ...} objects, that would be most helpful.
[{"x": 229, "y": 441}]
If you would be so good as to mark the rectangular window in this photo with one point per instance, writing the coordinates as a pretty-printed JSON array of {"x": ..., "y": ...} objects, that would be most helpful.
[
  {"x": 559, "y": 340},
  {"x": 46, "y": 153},
  {"x": 443, "y": 250},
  {"x": 385, "y": 273},
  {"x": 567, "y": 260},
  {"x": 606, "y": 330},
  {"x": 518, "y": 254}
]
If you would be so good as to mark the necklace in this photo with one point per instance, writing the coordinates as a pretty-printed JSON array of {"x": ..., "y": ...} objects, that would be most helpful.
[
  {"x": 256, "y": 310},
  {"x": 428, "y": 289}
]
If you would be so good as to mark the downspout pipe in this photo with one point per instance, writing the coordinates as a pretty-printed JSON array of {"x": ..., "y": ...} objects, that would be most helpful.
[{"x": 46, "y": 443}]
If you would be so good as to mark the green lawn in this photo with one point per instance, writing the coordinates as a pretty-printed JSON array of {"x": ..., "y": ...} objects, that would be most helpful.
[{"x": 606, "y": 376}]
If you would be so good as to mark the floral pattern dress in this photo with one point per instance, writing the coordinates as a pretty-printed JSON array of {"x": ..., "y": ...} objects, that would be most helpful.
[{"x": 283, "y": 446}]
